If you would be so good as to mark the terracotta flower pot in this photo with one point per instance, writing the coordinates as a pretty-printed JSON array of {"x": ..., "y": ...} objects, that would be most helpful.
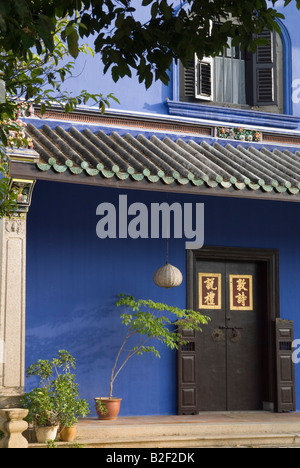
[
  {"x": 67, "y": 434},
  {"x": 112, "y": 408}
]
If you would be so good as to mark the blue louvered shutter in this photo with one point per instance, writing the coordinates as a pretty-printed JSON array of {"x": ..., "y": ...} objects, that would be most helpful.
[{"x": 264, "y": 71}]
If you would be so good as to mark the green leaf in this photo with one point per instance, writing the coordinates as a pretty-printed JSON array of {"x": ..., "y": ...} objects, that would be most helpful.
[
  {"x": 72, "y": 40},
  {"x": 154, "y": 9},
  {"x": 120, "y": 20},
  {"x": 115, "y": 73}
]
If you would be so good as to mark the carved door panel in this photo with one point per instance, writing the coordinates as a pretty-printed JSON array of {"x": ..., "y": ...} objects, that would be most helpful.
[
  {"x": 285, "y": 366},
  {"x": 211, "y": 343},
  {"x": 244, "y": 313}
]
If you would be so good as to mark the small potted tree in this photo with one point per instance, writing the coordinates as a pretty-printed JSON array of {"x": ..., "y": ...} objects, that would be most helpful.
[
  {"x": 56, "y": 400},
  {"x": 69, "y": 406},
  {"x": 40, "y": 403},
  {"x": 149, "y": 321}
]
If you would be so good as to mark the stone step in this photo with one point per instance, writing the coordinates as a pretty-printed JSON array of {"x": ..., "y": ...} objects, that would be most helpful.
[
  {"x": 188, "y": 432},
  {"x": 221, "y": 441},
  {"x": 106, "y": 433}
]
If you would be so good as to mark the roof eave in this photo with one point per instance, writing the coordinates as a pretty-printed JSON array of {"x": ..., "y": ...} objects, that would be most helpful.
[{"x": 19, "y": 169}]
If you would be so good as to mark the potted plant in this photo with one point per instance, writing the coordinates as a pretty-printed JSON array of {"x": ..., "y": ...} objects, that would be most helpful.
[
  {"x": 69, "y": 406},
  {"x": 56, "y": 401},
  {"x": 149, "y": 321},
  {"x": 40, "y": 403}
]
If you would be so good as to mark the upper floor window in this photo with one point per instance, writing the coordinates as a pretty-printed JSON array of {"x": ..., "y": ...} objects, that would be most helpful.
[{"x": 238, "y": 77}]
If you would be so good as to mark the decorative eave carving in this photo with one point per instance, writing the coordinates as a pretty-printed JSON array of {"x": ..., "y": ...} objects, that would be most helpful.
[
  {"x": 23, "y": 186},
  {"x": 24, "y": 189},
  {"x": 239, "y": 133}
]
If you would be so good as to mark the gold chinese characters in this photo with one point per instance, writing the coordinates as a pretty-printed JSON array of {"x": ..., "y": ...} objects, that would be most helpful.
[
  {"x": 210, "y": 291},
  {"x": 241, "y": 292}
]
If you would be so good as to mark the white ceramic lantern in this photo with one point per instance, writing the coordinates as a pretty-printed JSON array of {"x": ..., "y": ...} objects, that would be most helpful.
[{"x": 168, "y": 277}]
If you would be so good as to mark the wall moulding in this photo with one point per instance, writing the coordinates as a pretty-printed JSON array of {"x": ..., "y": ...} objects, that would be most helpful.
[{"x": 186, "y": 124}]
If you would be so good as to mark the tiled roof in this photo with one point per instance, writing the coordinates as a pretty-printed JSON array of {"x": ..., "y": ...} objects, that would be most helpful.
[{"x": 167, "y": 161}]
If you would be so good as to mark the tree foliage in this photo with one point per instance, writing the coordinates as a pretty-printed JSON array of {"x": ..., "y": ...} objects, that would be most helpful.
[
  {"x": 33, "y": 67},
  {"x": 40, "y": 39},
  {"x": 127, "y": 43},
  {"x": 56, "y": 400},
  {"x": 36, "y": 77},
  {"x": 150, "y": 322}
]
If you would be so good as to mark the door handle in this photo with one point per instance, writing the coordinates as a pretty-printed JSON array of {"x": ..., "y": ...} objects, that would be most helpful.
[{"x": 230, "y": 328}]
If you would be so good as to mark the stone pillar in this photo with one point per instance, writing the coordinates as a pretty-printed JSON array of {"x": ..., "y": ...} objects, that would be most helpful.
[
  {"x": 12, "y": 310},
  {"x": 13, "y": 425},
  {"x": 12, "y": 297}
]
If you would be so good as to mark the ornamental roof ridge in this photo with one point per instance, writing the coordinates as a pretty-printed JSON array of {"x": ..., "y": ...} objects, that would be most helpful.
[{"x": 230, "y": 167}]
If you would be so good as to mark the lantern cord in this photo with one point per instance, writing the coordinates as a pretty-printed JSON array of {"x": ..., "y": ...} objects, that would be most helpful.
[
  {"x": 167, "y": 249},
  {"x": 168, "y": 234}
]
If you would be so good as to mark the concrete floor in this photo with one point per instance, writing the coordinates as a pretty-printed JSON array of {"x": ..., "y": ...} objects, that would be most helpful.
[
  {"x": 202, "y": 418},
  {"x": 206, "y": 430}
]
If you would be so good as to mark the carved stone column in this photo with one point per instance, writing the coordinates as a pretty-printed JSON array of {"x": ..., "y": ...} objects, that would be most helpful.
[
  {"x": 12, "y": 310},
  {"x": 12, "y": 298}
]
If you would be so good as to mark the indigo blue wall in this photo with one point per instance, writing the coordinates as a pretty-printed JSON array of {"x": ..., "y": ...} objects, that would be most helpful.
[{"x": 73, "y": 279}]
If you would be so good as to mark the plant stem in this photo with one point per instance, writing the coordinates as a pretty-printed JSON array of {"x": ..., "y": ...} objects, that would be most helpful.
[
  {"x": 112, "y": 378},
  {"x": 130, "y": 355}
]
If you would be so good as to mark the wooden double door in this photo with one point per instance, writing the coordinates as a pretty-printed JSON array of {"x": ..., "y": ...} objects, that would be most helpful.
[
  {"x": 232, "y": 365},
  {"x": 229, "y": 361},
  {"x": 224, "y": 367}
]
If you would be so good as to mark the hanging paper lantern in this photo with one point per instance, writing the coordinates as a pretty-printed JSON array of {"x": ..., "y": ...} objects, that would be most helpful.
[{"x": 168, "y": 277}]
